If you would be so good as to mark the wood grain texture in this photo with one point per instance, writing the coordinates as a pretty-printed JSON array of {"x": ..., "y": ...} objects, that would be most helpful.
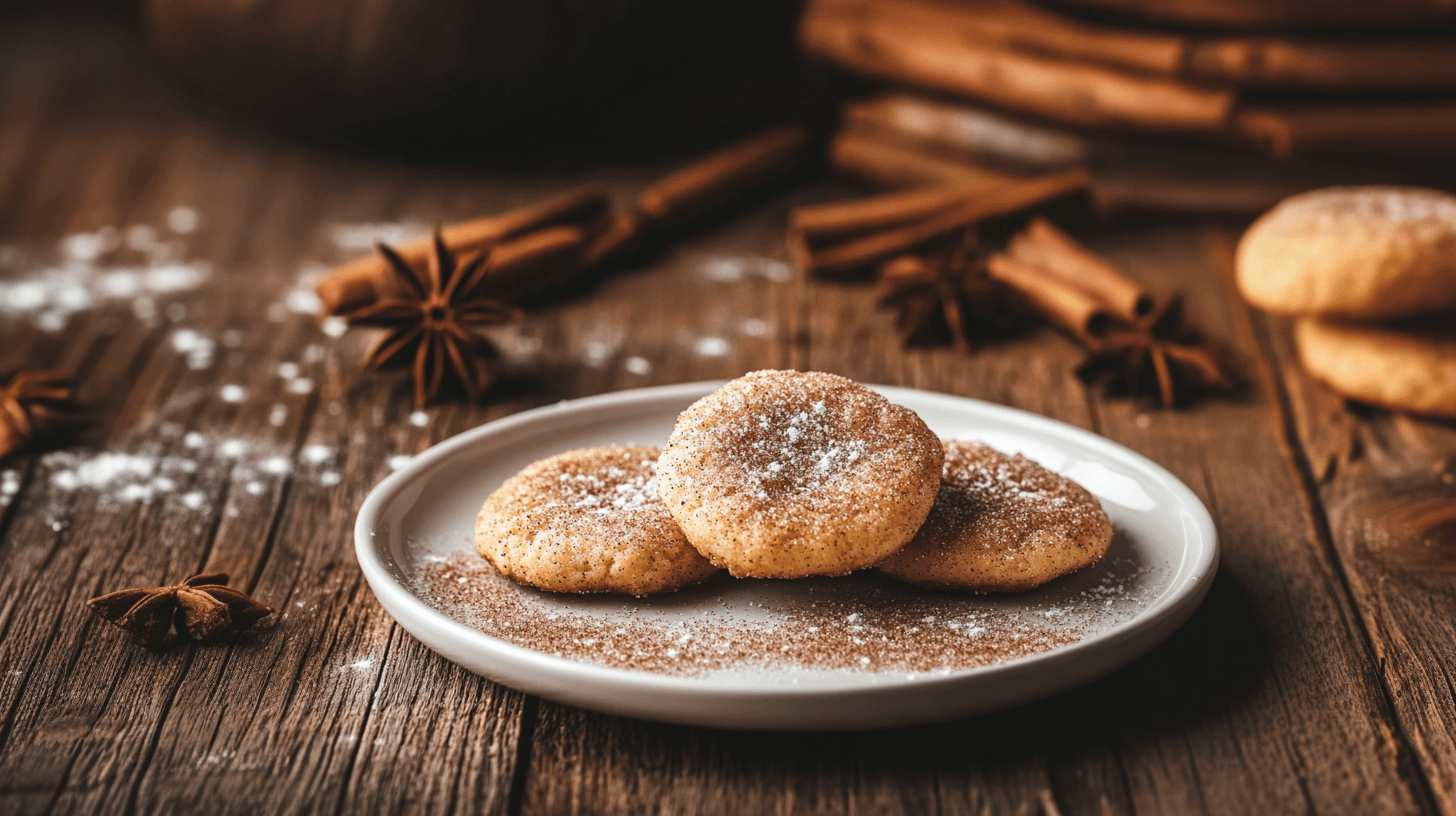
[{"x": 1315, "y": 678}]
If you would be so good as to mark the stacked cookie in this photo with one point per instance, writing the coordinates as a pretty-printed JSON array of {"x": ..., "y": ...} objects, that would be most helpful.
[
  {"x": 1370, "y": 273},
  {"x": 782, "y": 474}
]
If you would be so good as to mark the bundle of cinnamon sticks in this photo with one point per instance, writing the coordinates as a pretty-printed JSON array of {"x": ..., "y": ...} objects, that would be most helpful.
[
  {"x": 550, "y": 244},
  {"x": 842, "y": 238},
  {"x": 1017, "y": 55}
]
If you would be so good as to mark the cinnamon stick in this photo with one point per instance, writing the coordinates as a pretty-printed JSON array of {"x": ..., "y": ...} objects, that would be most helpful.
[
  {"x": 1018, "y": 195},
  {"x": 1393, "y": 62},
  {"x": 966, "y": 132},
  {"x": 1028, "y": 28},
  {"x": 726, "y": 175},
  {"x": 1042, "y": 245},
  {"x": 1353, "y": 15},
  {"x": 618, "y": 236},
  {"x": 871, "y": 156},
  {"x": 521, "y": 266},
  {"x": 356, "y": 284},
  {"x": 917, "y": 53},
  {"x": 1427, "y": 129},
  {"x": 1072, "y": 309},
  {"x": 1331, "y": 65},
  {"x": 824, "y": 223}
]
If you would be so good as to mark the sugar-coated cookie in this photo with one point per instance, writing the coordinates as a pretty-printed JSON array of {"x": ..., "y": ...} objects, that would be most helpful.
[
  {"x": 1409, "y": 366},
  {"x": 784, "y": 474},
  {"x": 1353, "y": 252},
  {"x": 1002, "y": 524},
  {"x": 588, "y": 521}
]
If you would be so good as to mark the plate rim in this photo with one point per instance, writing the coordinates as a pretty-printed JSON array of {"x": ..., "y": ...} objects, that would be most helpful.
[{"x": 1177, "y": 602}]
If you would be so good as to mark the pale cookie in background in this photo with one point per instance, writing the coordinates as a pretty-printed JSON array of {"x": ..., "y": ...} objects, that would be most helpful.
[
  {"x": 1353, "y": 252},
  {"x": 588, "y": 521},
  {"x": 782, "y": 474},
  {"x": 1411, "y": 367},
  {"x": 1002, "y": 524}
]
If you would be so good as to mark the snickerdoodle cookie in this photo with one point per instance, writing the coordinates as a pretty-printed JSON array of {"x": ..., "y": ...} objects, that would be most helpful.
[
  {"x": 783, "y": 474},
  {"x": 1409, "y": 366},
  {"x": 1002, "y": 524},
  {"x": 1370, "y": 252},
  {"x": 588, "y": 521}
]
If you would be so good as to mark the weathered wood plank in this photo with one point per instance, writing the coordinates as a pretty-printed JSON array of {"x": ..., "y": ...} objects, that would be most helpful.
[
  {"x": 1317, "y": 676},
  {"x": 1387, "y": 484}
]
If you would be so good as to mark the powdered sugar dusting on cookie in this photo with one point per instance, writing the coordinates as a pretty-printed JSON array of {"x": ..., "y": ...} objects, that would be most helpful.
[{"x": 609, "y": 489}]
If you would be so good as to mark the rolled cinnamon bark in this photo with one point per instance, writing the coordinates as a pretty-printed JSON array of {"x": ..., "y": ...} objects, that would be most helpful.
[
  {"x": 895, "y": 164},
  {"x": 1028, "y": 28},
  {"x": 618, "y": 235},
  {"x": 824, "y": 223},
  {"x": 966, "y": 132},
  {"x": 1427, "y": 129},
  {"x": 917, "y": 53},
  {"x": 1061, "y": 257},
  {"x": 871, "y": 249},
  {"x": 724, "y": 176},
  {"x": 356, "y": 284},
  {"x": 1393, "y": 62},
  {"x": 520, "y": 267},
  {"x": 1073, "y": 310},
  {"x": 1330, "y": 65}
]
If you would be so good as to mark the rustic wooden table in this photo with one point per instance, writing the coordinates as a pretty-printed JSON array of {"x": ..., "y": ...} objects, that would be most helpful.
[{"x": 1317, "y": 677}]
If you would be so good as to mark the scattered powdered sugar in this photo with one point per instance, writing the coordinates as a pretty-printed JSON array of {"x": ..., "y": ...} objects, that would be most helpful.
[
  {"x": 755, "y": 327},
  {"x": 136, "y": 265},
  {"x": 722, "y": 269},
  {"x": 712, "y": 347},
  {"x": 361, "y": 238},
  {"x": 9, "y": 486},
  {"x": 124, "y": 477},
  {"x": 120, "y": 479}
]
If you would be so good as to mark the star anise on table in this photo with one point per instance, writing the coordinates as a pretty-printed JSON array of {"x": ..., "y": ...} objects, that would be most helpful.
[
  {"x": 431, "y": 322},
  {"x": 1159, "y": 355},
  {"x": 202, "y": 608},
  {"x": 948, "y": 293},
  {"x": 32, "y": 403}
]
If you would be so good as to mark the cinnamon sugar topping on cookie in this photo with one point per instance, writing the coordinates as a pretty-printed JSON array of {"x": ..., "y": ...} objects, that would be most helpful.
[
  {"x": 588, "y": 521},
  {"x": 783, "y": 474},
  {"x": 1002, "y": 524}
]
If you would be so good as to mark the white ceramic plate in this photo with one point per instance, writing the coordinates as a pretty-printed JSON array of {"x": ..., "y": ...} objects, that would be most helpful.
[{"x": 1161, "y": 563}]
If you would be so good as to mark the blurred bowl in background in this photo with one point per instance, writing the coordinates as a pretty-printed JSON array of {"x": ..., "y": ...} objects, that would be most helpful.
[{"x": 313, "y": 60}]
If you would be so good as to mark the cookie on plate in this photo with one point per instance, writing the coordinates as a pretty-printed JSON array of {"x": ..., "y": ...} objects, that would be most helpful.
[
  {"x": 785, "y": 474},
  {"x": 1002, "y": 524},
  {"x": 588, "y": 520}
]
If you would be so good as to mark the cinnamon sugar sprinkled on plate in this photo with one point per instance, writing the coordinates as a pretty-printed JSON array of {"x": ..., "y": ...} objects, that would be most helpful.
[{"x": 859, "y": 623}]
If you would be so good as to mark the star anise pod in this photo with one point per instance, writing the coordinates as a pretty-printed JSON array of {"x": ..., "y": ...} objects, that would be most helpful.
[
  {"x": 32, "y": 403},
  {"x": 202, "y": 608},
  {"x": 948, "y": 293},
  {"x": 431, "y": 322},
  {"x": 1159, "y": 355}
]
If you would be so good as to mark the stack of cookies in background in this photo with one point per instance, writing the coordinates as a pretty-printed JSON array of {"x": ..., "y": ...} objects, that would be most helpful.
[
  {"x": 1018, "y": 84},
  {"x": 1370, "y": 274}
]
